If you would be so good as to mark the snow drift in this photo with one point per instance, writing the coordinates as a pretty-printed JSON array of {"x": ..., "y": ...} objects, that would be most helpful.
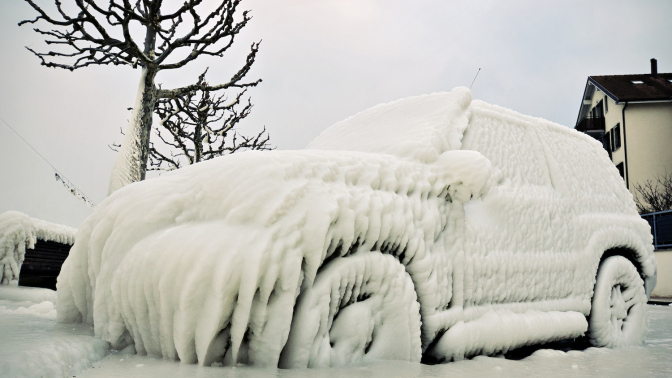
[
  {"x": 395, "y": 226},
  {"x": 19, "y": 232}
]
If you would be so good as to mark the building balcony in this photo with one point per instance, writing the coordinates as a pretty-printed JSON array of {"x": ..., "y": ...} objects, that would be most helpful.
[{"x": 591, "y": 125}]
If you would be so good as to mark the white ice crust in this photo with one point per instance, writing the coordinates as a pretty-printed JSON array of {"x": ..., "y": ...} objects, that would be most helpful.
[
  {"x": 418, "y": 128},
  {"x": 126, "y": 169},
  {"x": 19, "y": 232},
  {"x": 616, "y": 299},
  {"x": 305, "y": 258}
]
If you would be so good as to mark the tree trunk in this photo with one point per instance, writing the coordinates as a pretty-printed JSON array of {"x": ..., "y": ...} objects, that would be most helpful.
[
  {"x": 131, "y": 163},
  {"x": 201, "y": 120}
]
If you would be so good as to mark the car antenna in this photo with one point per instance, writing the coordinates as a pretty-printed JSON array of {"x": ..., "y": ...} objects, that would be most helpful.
[{"x": 472, "y": 83}]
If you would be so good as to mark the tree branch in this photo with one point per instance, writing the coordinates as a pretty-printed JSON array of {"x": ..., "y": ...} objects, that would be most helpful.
[
  {"x": 654, "y": 196},
  {"x": 200, "y": 119}
]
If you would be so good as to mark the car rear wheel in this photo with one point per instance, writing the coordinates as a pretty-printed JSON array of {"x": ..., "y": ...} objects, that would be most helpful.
[
  {"x": 361, "y": 307},
  {"x": 618, "y": 314}
]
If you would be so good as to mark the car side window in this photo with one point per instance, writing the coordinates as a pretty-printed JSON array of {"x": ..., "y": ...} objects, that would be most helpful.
[
  {"x": 511, "y": 144},
  {"x": 586, "y": 174}
]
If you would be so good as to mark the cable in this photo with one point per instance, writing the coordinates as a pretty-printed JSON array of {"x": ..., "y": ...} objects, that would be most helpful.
[
  {"x": 472, "y": 83},
  {"x": 59, "y": 175}
]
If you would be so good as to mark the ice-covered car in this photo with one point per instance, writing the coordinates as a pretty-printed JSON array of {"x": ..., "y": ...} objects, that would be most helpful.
[{"x": 433, "y": 226}]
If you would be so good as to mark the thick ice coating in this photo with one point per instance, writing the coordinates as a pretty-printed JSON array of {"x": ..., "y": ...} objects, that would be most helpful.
[
  {"x": 19, "y": 232},
  {"x": 352, "y": 300},
  {"x": 418, "y": 128},
  {"x": 414, "y": 221}
]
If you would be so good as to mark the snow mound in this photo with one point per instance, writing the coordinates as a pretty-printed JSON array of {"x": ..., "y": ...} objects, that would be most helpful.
[
  {"x": 19, "y": 232},
  {"x": 44, "y": 309}
]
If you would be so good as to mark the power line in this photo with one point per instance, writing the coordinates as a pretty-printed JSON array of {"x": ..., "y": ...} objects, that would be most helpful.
[
  {"x": 472, "y": 83},
  {"x": 74, "y": 190}
]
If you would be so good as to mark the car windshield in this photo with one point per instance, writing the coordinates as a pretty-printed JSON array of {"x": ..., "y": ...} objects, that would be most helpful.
[{"x": 420, "y": 127}]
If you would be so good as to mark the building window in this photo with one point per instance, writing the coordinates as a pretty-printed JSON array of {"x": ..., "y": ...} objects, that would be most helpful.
[
  {"x": 616, "y": 137},
  {"x": 598, "y": 111},
  {"x": 606, "y": 104},
  {"x": 606, "y": 142},
  {"x": 620, "y": 167}
]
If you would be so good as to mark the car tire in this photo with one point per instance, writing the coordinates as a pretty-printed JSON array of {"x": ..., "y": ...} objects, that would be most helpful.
[
  {"x": 361, "y": 307},
  {"x": 618, "y": 313}
]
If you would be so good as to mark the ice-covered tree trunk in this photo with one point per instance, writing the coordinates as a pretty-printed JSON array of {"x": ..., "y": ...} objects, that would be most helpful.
[{"x": 131, "y": 163}]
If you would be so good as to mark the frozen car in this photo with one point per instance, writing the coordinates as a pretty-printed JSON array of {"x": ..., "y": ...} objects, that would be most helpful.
[{"x": 433, "y": 226}]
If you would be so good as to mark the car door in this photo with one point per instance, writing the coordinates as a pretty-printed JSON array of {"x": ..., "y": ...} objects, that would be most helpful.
[{"x": 513, "y": 242}]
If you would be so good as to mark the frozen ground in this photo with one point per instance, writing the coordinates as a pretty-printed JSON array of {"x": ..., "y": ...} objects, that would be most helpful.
[{"x": 33, "y": 344}]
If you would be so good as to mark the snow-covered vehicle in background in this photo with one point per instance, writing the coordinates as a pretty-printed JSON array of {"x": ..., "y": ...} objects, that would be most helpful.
[{"x": 432, "y": 226}]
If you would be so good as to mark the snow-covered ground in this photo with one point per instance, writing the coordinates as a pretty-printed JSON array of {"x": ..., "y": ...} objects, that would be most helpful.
[{"x": 33, "y": 344}]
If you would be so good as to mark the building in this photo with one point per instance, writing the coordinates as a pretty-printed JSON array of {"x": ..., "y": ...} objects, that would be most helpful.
[{"x": 632, "y": 116}]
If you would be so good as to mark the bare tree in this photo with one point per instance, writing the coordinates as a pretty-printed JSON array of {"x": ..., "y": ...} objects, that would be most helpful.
[
  {"x": 107, "y": 34},
  {"x": 200, "y": 126},
  {"x": 654, "y": 196}
]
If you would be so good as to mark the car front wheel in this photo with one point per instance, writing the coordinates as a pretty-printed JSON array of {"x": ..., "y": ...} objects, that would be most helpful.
[{"x": 361, "y": 307}]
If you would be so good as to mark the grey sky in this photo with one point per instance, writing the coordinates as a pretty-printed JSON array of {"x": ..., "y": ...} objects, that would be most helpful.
[{"x": 322, "y": 61}]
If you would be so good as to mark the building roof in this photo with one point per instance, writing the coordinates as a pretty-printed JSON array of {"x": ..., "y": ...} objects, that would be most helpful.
[{"x": 643, "y": 87}]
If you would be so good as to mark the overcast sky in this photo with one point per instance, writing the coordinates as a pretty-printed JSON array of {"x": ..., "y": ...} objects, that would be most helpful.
[{"x": 321, "y": 61}]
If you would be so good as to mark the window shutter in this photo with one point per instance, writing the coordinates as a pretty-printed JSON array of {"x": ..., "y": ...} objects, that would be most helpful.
[{"x": 617, "y": 136}]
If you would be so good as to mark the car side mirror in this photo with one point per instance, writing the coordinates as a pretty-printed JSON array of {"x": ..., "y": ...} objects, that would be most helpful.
[{"x": 464, "y": 174}]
